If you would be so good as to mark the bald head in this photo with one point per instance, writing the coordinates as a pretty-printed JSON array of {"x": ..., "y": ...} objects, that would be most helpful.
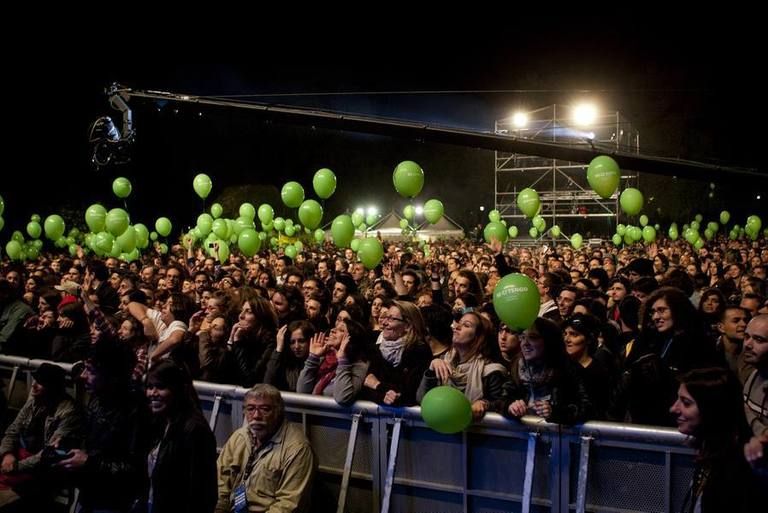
[{"x": 756, "y": 342}]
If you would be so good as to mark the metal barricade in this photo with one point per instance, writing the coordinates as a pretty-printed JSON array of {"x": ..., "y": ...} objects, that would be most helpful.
[{"x": 373, "y": 458}]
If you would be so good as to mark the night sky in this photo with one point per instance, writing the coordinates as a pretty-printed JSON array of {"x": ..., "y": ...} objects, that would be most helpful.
[{"x": 691, "y": 96}]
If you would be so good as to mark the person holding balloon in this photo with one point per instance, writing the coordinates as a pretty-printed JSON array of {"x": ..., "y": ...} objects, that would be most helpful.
[
  {"x": 472, "y": 365},
  {"x": 545, "y": 382}
]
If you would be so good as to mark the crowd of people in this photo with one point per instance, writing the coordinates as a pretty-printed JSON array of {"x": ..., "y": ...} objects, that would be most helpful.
[{"x": 640, "y": 334}]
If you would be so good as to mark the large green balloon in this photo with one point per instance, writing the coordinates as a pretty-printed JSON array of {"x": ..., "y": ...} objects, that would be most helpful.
[
  {"x": 603, "y": 176},
  {"x": 117, "y": 221},
  {"x": 516, "y": 301},
  {"x": 54, "y": 226},
  {"x": 266, "y": 213},
  {"x": 249, "y": 242},
  {"x": 370, "y": 252},
  {"x": 219, "y": 228},
  {"x": 241, "y": 223},
  {"x": 725, "y": 216},
  {"x": 163, "y": 226},
  {"x": 342, "y": 231},
  {"x": 204, "y": 224},
  {"x": 324, "y": 183},
  {"x": 631, "y": 201},
  {"x": 754, "y": 223},
  {"x": 122, "y": 187},
  {"x": 528, "y": 202},
  {"x": 290, "y": 251},
  {"x": 248, "y": 211},
  {"x": 408, "y": 178},
  {"x": 34, "y": 229},
  {"x": 495, "y": 231},
  {"x": 104, "y": 241},
  {"x": 95, "y": 217},
  {"x": 202, "y": 185},
  {"x": 409, "y": 212},
  {"x": 310, "y": 214},
  {"x": 446, "y": 410},
  {"x": 13, "y": 250},
  {"x": 292, "y": 194},
  {"x": 649, "y": 234}
]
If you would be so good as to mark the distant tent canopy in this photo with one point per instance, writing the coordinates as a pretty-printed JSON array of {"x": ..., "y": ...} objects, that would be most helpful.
[{"x": 389, "y": 228}]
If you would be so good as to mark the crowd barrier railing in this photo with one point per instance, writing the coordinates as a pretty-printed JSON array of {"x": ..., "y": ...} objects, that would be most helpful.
[{"x": 374, "y": 458}]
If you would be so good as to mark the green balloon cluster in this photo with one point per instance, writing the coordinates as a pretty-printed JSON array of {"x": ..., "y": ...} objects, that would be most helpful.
[
  {"x": 603, "y": 176},
  {"x": 446, "y": 410},
  {"x": 408, "y": 179}
]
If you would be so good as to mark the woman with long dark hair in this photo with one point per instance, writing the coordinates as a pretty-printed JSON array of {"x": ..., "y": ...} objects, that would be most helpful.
[
  {"x": 710, "y": 410},
  {"x": 290, "y": 353},
  {"x": 182, "y": 459}
]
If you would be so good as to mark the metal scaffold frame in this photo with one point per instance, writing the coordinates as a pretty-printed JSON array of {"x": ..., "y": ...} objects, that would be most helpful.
[{"x": 562, "y": 185}]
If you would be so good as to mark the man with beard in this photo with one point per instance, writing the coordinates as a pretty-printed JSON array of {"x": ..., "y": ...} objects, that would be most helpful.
[{"x": 267, "y": 465}]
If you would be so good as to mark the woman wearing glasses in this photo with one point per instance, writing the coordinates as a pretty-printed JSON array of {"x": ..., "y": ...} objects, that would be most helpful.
[
  {"x": 401, "y": 357},
  {"x": 472, "y": 365},
  {"x": 544, "y": 381}
]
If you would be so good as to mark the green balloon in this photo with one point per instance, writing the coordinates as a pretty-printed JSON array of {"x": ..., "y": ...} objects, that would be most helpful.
[
  {"x": 163, "y": 226},
  {"x": 54, "y": 226},
  {"x": 202, "y": 185},
  {"x": 576, "y": 240},
  {"x": 495, "y": 230},
  {"x": 616, "y": 239},
  {"x": 266, "y": 213},
  {"x": 446, "y": 410},
  {"x": 31, "y": 252},
  {"x": 216, "y": 210},
  {"x": 298, "y": 245},
  {"x": 17, "y": 236},
  {"x": 516, "y": 301},
  {"x": 2, "y": 223},
  {"x": 409, "y": 212},
  {"x": 241, "y": 223},
  {"x": 290, "y": 231},
  {"x": 403, "y": 224},
  {"x": 223, "y": 254},
  {"x": 539, "y": 223},
  {"x": 319, "y": 235},
  {"x": 355, "y": 244},
  {"x": 699, "y": 218},
  {"x": 512, "y": 231},
  {"x": 357, "y": 218},
  {"x": 219, "y": 228},
  {"x": 603, "y": 176},
  {"x": 292, "y": 194},
  {"x": 754, "y": 223},
  {"x": 649, "y": 234},
  {"x": 122, "y": 187},
  {"x": 310, "y": 214},
  {"x": 247, "y": 211},
  {"x": 34, "y": 229},
  {"x": 494, "y": 216},
  {"x": 279, "y": 224},
  {"x": 13, "y": 250},
  {"x": 695, "y": 225},
  {"x": 533, "y": 232},
  {"x": 324, "y": 183},
  {"x": 163, "y": 248},
  {"x": 631, "y": 201},
  {"x": 104, "y": 241},
  {"x": 127, "y": 241},
  {"x": 725, "y": 216},
  {"x": 643, "y": 220},
  {"x": 204, "y": 224},
  {"x": 699, "y": 244},
  {"x": 708, "y": 234},
  {"x": 370, "y": 219},
  {"x": 636, "y": 233},
  {"x": 2, "y": 206},
  {"x": 370, "y": 252},
  {"x": 249, "y": 242},
  {"x": 408, "y": 179},
  {"x": 555, "y": 231},
  {"x": 36, "y": 218},
  {"x": 433, "y": 210},
  {"x": 528, "y": 202},
  {"x": 290, "y": 251},
  {"x": 153, "y": 236},
  {"x": 117, "y": 221},
  {"x": 95, "y": 218},
  {"x": 342, "y": 231}
]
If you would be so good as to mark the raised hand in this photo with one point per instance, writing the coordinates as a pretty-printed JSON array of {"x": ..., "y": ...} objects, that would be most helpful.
[
  {"x": 318, "y": 346},
  {"x": 280, "y": 343}
]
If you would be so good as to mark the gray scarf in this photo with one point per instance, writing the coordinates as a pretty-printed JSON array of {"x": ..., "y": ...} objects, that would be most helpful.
[{"x": 391, "y": 350}]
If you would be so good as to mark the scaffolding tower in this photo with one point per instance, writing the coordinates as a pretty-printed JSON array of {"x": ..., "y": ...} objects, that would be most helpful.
[{"x": 562, "y": 185}]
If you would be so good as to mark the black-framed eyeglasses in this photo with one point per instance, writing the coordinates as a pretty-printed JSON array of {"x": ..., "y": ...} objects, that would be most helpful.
[{"x": 390, "y": 318}]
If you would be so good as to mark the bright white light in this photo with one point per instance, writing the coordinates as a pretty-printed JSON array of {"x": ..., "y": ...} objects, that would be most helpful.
[
  {"x": 482, "y": 208},
  {"x": 372, "y": 211},
  {"x": 419, "y": 210},
  {"x": 360, "y": 210},
  {"x": 758, "y": 196},
  {"x": 520, "y": 119},
  {"x": 584, "y": 114}
]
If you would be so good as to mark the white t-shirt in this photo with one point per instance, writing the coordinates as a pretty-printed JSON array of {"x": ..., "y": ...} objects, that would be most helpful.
[{"x": 163, "y": 330}]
